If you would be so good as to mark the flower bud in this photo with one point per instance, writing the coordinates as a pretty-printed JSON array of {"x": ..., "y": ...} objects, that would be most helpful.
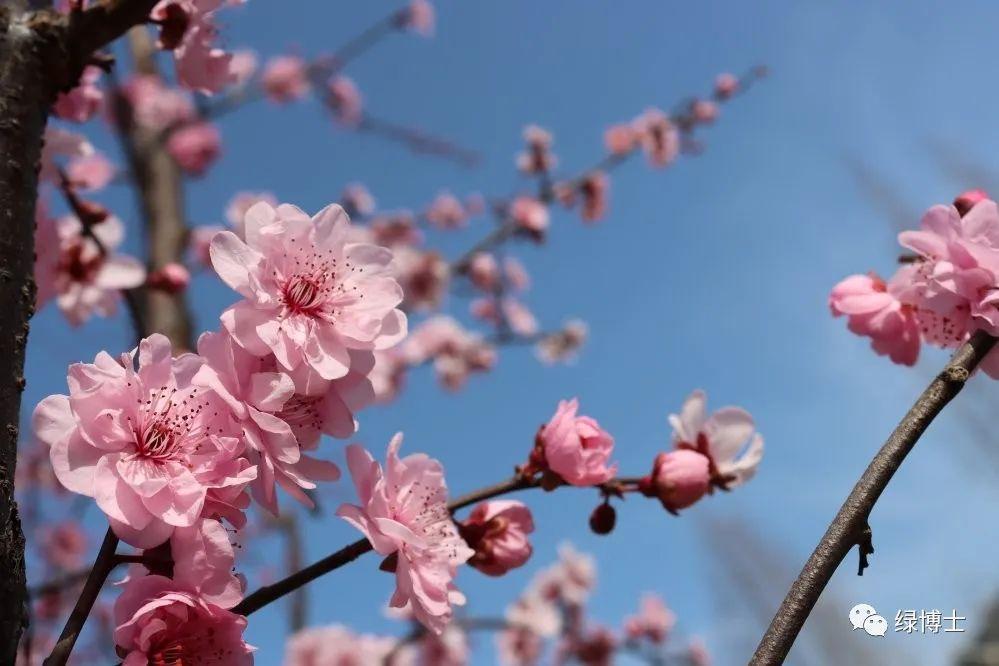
[
  {"x": 603, "y": 518},
  {"x": 172, "y": 278},
  {"x": 967, "y": 200},
  {"x": 679, "y": 478},
  {"x": 497, "y": 531}
]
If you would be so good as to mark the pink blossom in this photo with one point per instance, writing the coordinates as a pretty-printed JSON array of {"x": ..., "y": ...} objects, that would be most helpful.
[
  {"x": 483, "y": 271},
  {"x": 497, "y": 532},
  {"x": 357, "y": 201},
  {"x": 965, "y": 201},
  {"x": 531, "y": 216},
  {"x": 538, "y": 157},
  {"x": 92, "y": 172},
  {"x": 145, "y": 443},
  {"x": 84, "y": 101},
  {"x": 519, "y": 318},
  {"x": 394, "y": 229},
  {"x": 575, "y": 447},
  {"x": 63, "y": 545},
  {"x": 592, "y": 189},
  {"x": 563, "y": 345},
  {"x": 241, "y": 202},
  {"x": 61, "y": 143},
  {"x": 345, "y": 100},
  {"x": 447, "y": 212},
  {"x": 404, "y": 510},
  {"x": 336, "y": 645},
  {"x": 874, "y": 310},
  {"x": 154, "y": 105},
  {"x": 728, "y": 438},
  {"x": 387, "y": 376},
  {"x": 159, "y": 621},
  {"x": 424, "y": 277},
  {"x": 187, "y": 28},
  {"x": 704, "y": 111},
  {"x": 450, "y": 648},
  {"x": 277, "y": 422},
  {"x": 726, "y": 85},
  {"x": 697, "y": 653},
  {"x": 285, "y": 78},
  {"x": 518, "y": 646},
  {"x": 654, "y": 621},
  {"x": 72, "y": 269},
  {"x": 517, "y": 277},
  {"x": 620, "y": 139},
  {"x": 203, "y": 561},
  {"x": 172, "y": 278},
  {"x": 678, "y": 479},
  {"x": 594, "y": 648},
  {"x": 419, "y": 17},
  {"x": 456, "y": 353},
  {"x": 195, "y": 147},
  {"x": 659, "y": 137},
  {"x": 309, "y": 295},
  {"x": 243, "y": 66}
]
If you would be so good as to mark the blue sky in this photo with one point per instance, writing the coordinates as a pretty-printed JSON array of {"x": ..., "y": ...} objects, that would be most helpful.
[{"x": 711, "y": 274}]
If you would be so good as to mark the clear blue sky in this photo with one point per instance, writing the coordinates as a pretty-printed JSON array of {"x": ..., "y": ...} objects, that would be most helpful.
[{"x": 712, "y": 274}]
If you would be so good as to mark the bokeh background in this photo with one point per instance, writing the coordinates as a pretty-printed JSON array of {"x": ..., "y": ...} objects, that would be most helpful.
[{"x": 711, "y": 274}]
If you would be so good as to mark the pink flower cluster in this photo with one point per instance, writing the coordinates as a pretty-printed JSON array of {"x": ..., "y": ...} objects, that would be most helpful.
[
  {"x": 187, "y": 29},
  {"x": 948, "y": 290}
]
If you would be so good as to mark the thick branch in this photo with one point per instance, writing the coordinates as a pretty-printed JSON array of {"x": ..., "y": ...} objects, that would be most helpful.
[{"x": 848, "y": 528}]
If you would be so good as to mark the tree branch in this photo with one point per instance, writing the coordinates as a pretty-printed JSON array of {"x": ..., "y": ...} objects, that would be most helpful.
[{"x": 849, "y": 527}]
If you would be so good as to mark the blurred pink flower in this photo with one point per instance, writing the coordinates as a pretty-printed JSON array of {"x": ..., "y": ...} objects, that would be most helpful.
[
  {"x": 159, "y": 621},
  {"x": 63, "y": 545},
  {"x": 447, "y": 212},
  {"x": 82, "y": 102},
  {"x": 678, "y": 479},
  {"x": 172, "y": 278},
  {"x": 404, "y": 511},
  {"x": 187, "y": 28},
  {"x": 563, "y": 345},
  {"x": 195, "y": 147},
  {"x": 659, "y": 137},
  {"x": 517, "y": 277},
  {"x": 156, "y": 106},
  {"x": 704, "y": 111},
  {"x": 620, "y": 139},
  {"x": 454, "y": 351},
  {"x": 424, "y": 277},
  {"x": 697, "y": 653},
  {"x": 728, "y": 438},
  {"x": 144, "y": 442},
  {"x": 243, "y": 66},
  {"x": 336, "y": 645},
  {"x": 726, "y": 85},
  {"x": 538, "y": 157},
  {"x": 519, "y": 318},
  {"x": 419, "y": 17},
  {"x": 199, "y": 242},
  {"x": 483, "y": 271},
  {"x": 91, "y": 172},
  {"x": 531, "y": 216},
  {"x": 357, "y": 201},
  {"x": 241, "y": 202},
  {"x": 71, "y": 268},
  {"x": 497, "y": 532},
  {"x": 575, "y": 447},
  {"x": 285, "y": 78},
  {"x": 309, "y": 295},
  {"x": 345, "y": 100},
  {"x": 395, "y": 228},
  {"x": 654, "y": 621}
]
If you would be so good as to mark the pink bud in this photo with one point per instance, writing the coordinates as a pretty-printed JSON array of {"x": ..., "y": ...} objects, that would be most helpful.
[
  {"x": 531, "y": 216},
  {"x": 725, "y": 85},
  {"x": 678, "y": 479},
  {"x": 967, "y": 200},
  {"x": 497, "y": 531},
  {"x": 483, "y": 271},
  {"x": 704, "y": 111},
  {"x": 172, "y": 278}
]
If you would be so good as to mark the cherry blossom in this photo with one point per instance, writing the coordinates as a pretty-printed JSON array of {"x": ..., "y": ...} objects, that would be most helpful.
[
  {"x": 538, "y": 157},
  {"x": 334, "y": 645},
  {"x": 309, "y": 295},
  {"x": 497, "y": 531},
  {"x": 90, "y": 172},
  {"x": 574, "y": 447},
  {"x": 241, "y": 202},
  {"x": 357, "y": 201},
  {"x": 726, "y": 85},
  {"x": 203, "y": 561},
  {"x": 874, "y": 311},
  {"x": 159, "y": 621},
  {"x": 654, "y": 621},
  {"x": 63, "y": 545},
  {"x": 531, "y": 216},
  {"x": 620, "y": 139},
  {"x": 345, "y": 99},
  {"x": 447, "y": 212},
  {"x": 455, "y": 352},
  {"x": 172, "y": 278},
  {"x": 187, "y": 29},
  {"x": 678, "y": 479},
  {"x": 82, "y": 102},
  {"x": 563, "y": 345},
  {"x": 419, "y": 17},
  {"x": 659, "y": 137},
  {"x": 404, "y": 510},
  {"x": 285, "y": 78},
  {"x": 727, "y": 438},
  {"x": 144, "y": 442},
  {"x": 195, "y": 147}
]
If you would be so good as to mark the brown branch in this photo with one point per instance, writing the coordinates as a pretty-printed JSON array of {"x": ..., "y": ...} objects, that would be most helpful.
[
  {"x": 848, "y": 527},
  {"x": 270, "y": 593},
  {"x": 103, "y": 566}
]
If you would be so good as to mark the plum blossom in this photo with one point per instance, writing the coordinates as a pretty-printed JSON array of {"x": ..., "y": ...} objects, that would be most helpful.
[
  {"x": 455, "y": 352},
  {"x": 357, "y": 201},
  {"x": 517, "y": 277},
  {"x": 447, "y": 212},
  {"x": 450, "y": 648},
  {"x": 483, "y": 271},
  {"x": 497, "y": 531},
  {"x": 277, "y": 423},
  {"x": 419, "y": 17},
  {"x": 592, "y": 190},
  {"x": 160, "y": 621},
  {"x": 530, "y": 216},
  {"x": 726, "y": 85},
  {"x": 148, "y": 445},
  {"x": 285, "y": 78},
  {"x": 563, "y": 345},
  {"x": 84, "y": 101},
  {"x": 60, "y": 143},
  {"x": 620, "y": 139},
  {"x": 82, "y": 273},
  {"x": 187, "y": 28},
  {"x": 345, "y": 100},
  {"x": 335, "y": 645},
  {"x": 423, "y": 276},
  {"x": 574, "y": 447},
  {"x": 172, "y": 278},
  {"x": 728, "y": 438},
  {"x": 653, "y": 622},
  {"x": 538, "y": 158},
  {"x": 90, "y": 172},
  {"x": 659, "y": 137},
  {"x": 195, "y": 147},
  {"x": 873, "y": 310},
  {"x": 404, "y": 510},
  {"x": 594, "y": 647},
  {"x": 243, "y": 66},
  {"x": 199, "y": 243},
  {"x": 156, "y": 106},
  {"x": 703, "y": 111},
  {"x": 310, "y": 296},
  {"x": 203, "y": 561},
  {"x": 241, "y": 202},
  {"x": 63, "y": 545}
]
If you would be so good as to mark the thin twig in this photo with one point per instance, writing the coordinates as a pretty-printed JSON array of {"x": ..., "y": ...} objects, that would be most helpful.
[{"x": 850, "y": 526}]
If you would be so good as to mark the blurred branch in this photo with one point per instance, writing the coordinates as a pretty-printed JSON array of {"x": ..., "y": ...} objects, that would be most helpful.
[{"x": 849, "y": 525}]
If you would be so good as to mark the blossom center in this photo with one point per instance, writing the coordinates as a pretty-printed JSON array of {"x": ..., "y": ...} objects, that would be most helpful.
[
  {"x": 303, "y": 294},
  {"x": 168, "y": 424}
]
